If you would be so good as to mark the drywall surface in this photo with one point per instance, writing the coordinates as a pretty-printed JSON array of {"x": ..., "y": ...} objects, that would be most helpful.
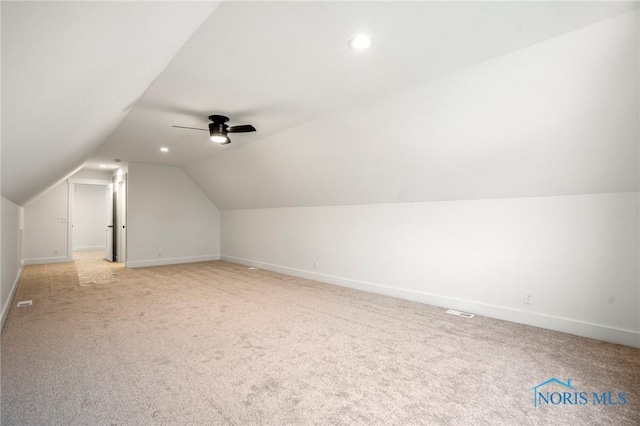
[
  {"x": 46, "y": 221},
  {"x": 105, "y": 54},
  {"x": 557, "y": 118},
  {"x": 578, "y": 255},
  {"x": 12, "y": 226},
  {"x": 170, "y": 220},
  {"x": 93, "y": 174},
  {"x": 517, "y": 174},
  {"x": 89, "y": 217}
]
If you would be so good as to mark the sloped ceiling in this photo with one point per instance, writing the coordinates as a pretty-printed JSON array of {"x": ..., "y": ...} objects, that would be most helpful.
[
  {"x": 70, "y": 73},
  {"x": 335, "y": 126},
  {"x": 556, "y": 118}
]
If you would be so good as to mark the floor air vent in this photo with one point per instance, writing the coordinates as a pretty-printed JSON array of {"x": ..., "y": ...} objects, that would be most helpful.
[
  {"x": 24, "y": 303},
  {"x": 460, "y": 314}
]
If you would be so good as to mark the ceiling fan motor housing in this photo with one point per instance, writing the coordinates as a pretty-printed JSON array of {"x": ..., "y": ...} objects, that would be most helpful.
[
  {"x": 217, "y": 129},
  {"x": 219, "y": 119}
]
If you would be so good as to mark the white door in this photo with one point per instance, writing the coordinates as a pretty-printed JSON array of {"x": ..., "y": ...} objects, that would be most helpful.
[{"x": 108, "y": 251}]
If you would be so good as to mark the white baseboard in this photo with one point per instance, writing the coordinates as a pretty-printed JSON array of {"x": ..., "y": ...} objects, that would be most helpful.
[
  {"x": 7, "y": 304},
  {"x": 565, "y": 325},
  {"x": 45, "y": 260},
  {"x": 170, "y": 261},
  {"x": 88, "y": 248}
]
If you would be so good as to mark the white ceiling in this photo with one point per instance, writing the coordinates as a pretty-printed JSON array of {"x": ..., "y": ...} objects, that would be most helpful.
[
  {"x": 70, "y": 73},
  {"x": 556, "y": 118},
  {"x": 74, "y": 71}
]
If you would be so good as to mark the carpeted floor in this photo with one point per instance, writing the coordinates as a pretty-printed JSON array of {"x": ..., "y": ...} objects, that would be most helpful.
[
  {"x": 93, "y": 269},
  {"x": 217, "y": 343}
]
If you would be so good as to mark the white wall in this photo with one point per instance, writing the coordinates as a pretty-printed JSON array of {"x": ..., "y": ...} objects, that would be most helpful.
[
  {"x": 166, "y": 213},
  {"x": 45, "y": 236},
  {"x": 93, "y": 174},
  {"x": 170, "y": 220},
  {"x": 12, "y": 226},
  {"x": 89, "y": 217},
  {"x": 541, "y": 149},
  {"x": 577, "y": 254}
]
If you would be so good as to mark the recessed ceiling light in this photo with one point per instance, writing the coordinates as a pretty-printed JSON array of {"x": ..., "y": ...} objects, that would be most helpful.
[
  {"x": 164, "y": 149},
  {"x": 360, "y": 41},
  {"x": 103, "y": 166}
]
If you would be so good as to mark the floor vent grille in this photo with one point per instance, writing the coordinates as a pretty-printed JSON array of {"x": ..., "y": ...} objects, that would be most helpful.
[
  {"x": 460, "y": 314},
  {"x": 24, "y": 303}
]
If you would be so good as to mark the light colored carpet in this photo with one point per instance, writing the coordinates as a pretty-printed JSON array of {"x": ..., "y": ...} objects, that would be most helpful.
[
  {"x": 217, "y": 343},
  {"x": 93, "y": 269}
]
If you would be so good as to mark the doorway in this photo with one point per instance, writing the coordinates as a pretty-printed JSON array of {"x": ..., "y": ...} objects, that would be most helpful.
[
  {"x": 97, "y": 215},
  {"x": 89, "y": 218}
]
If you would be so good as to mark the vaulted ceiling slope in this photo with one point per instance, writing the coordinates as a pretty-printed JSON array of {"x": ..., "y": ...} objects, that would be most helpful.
[
  {"x": 557, "y": 118},
  {"x": 277, "y": 65},
  {"x": 335, "y": 126},
  {"x": 70, "y": 73}
]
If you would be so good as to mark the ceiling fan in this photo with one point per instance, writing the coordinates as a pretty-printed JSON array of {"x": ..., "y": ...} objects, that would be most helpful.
[{"x": 218, "y": 129}]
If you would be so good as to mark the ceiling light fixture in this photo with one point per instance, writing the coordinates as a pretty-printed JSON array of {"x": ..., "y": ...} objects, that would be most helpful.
[
  {"x": 164, "y": 149},
  {"x": 219, "y": 138},
  {"x": 218, "y": 133},
  {"x": 103, "y": 166},
  {"x": 360, "y": 41}
]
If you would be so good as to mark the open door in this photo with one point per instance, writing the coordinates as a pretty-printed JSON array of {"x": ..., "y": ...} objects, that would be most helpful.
[
  {"x": 108, "y": 250},
  {"x": 121, "y": 220}
]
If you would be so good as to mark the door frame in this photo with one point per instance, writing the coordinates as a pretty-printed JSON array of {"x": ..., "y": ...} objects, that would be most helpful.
[
  {"x": 109, "y": 231},
  {"x": 71, "y": 206},
  {"x": 120, "y": 217}
]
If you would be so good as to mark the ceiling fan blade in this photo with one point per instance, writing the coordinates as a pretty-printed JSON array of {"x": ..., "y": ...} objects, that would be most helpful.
[
  {"x": 243, "y": 128},
  {"x": 191, "y": 128},
  {"x": 227, "y": 142}
]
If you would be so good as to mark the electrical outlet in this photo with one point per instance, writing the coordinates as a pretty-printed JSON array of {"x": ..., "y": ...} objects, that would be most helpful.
[
  {"x": 159, "y": 254},
  {"x": 62, "y": 220},
  {"x": 315, "y": 264},
  {"x": 55, "y": 252},
  {"x": 528, "y": 298}
]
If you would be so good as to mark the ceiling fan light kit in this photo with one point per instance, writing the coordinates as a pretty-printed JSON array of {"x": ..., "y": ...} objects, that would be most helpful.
[
  {"x": 218, "y": 129},
  {"x": 218, "y": 133},
  {"x": 221, "y": 139}
]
